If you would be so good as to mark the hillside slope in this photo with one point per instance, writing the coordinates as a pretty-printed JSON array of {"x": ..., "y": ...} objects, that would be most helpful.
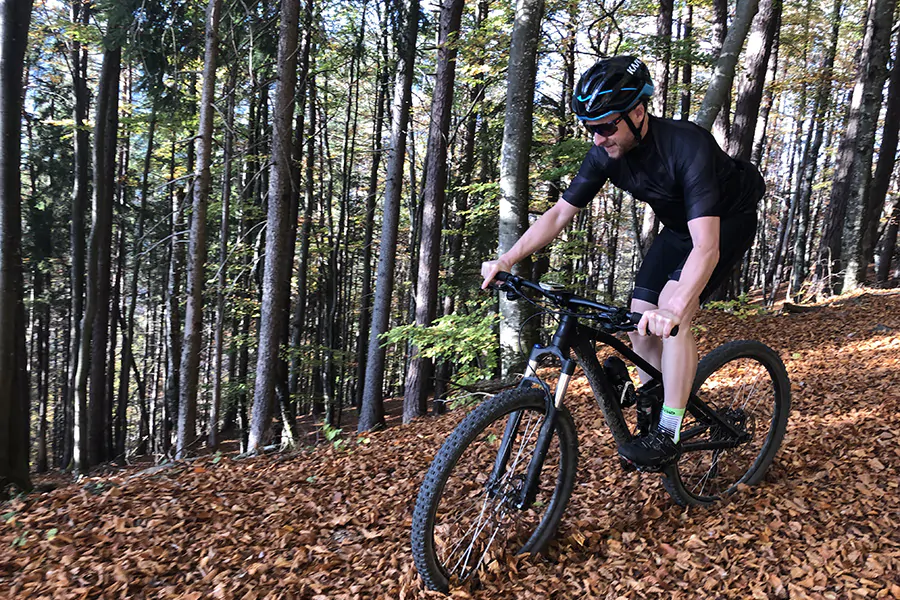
[{"x": 327, "y": 523}]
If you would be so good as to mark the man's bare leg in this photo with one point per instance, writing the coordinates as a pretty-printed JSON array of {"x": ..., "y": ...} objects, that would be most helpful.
[
  {"x": 679, "y": 354},
  {"x": 648, "y": 347}
]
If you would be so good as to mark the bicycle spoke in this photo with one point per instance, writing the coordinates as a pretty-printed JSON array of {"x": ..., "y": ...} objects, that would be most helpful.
[{"x": 478, "y": 527}]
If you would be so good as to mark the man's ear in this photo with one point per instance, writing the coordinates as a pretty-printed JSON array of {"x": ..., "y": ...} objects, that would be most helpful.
[{"x": 639, "y": 112}]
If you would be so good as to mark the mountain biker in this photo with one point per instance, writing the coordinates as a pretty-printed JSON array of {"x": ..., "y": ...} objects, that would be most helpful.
[{"x": 705, "y": 200}]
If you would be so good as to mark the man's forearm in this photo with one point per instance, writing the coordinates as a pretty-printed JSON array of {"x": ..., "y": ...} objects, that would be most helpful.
[
  {"x": 541, "y": 233},
  {"x": 695, "y": 274}
]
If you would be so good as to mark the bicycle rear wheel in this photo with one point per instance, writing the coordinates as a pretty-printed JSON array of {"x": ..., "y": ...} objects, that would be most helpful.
[
  {"x": 462, "y": 522},
  {"x": 745, "y": 383}
]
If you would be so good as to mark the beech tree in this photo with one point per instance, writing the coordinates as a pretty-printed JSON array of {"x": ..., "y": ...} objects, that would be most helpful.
[
  {"x": 277, "y": 223},
  {"x": 14, "y": 394},
  {"x": 372, "y": 410},
  {"x": 420, "y": 368},
  {"x": 723, "y": 75},
  {"x": 197, "y": 251},
  {"x": 514, "y": 161}
]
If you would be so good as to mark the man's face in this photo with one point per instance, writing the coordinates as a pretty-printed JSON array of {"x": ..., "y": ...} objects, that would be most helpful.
[{"x": 618, "y": 143}]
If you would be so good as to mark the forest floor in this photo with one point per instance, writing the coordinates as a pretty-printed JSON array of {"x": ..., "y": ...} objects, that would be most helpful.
[{"x": 333, "y": 523}]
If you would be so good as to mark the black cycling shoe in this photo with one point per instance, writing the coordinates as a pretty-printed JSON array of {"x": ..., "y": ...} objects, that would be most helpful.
[{"x": 652, "y": 451}]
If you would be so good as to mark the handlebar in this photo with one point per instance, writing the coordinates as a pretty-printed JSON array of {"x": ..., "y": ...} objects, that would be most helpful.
[{"x": 618, "y": 318}]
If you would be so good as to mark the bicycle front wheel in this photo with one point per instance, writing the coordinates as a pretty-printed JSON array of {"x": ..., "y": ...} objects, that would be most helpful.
[
  {"x": 465, "y": 523},
  {"x": 746, "y": 385}
]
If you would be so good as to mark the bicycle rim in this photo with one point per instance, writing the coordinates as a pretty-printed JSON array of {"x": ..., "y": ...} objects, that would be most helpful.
[{"x": 748, "y": 389}]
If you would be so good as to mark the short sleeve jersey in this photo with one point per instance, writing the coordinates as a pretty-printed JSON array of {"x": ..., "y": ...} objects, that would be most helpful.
[{"x": 678, "y": 169}]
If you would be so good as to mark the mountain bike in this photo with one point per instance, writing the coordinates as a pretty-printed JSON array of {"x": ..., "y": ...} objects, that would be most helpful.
[{"x": 500, "y": 482}]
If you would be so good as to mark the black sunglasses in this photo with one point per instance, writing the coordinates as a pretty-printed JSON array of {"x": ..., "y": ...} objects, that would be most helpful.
[{"x": 605, "y": 129}]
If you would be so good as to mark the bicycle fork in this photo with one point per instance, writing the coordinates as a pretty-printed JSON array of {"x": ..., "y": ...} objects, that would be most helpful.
[{"x": 529, "y": 490}]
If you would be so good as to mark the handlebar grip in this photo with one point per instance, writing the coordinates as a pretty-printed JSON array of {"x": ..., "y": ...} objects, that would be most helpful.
[
  {"x": 636, "y": 318},
  {"x": 502, "y": 276}
]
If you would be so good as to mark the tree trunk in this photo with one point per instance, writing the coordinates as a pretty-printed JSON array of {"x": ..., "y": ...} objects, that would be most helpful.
[
  {"x": 663, "y": 62},
  {"x": 372, "y": 412},
  {"x": 889, "y": 245},
  {"x": 89, "y": 427},
  {"x": 687, "y": 74},
  {"x": 853, "y": 169},
  {"x": 212, "y": 440},
  {"x": 80, "y": 14},
  {"x": 298, "y": 319},
  {"x": 173, "y": 322},
  {"x": 810, "y": 161},
  {"x": 275, "y": 278},
  {"x": 514, "y": 161},
  {"x": 128, "y": 329},
  {"x": 721, "y": 126},
  {"x": 14, "y": 397},
  {"x": 365, "y": 310},
  {"x": 886, "y": 158},
  {"x": 723, "y": 75},
  {"x": 759, "y": 49},
  {"x": 197, "y": 250},
  {"x": 415, "y": 400}
]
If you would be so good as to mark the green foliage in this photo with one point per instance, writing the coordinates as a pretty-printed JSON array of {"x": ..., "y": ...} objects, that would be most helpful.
[
  {"x": 465, "y": 401},
  {"x": 565, "y": 157},
  {"x": 466, "y": 340},
  {"x": 740, "y": 307},
  {"x": 333, "y": 435}
]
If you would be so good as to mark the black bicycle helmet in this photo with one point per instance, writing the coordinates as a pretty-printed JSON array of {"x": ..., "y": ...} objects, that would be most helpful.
[{"x": 613, "y": 85}]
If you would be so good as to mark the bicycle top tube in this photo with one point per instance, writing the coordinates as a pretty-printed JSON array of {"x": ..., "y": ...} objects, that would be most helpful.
[
  {"x": 619, "y": 318},
  {"x": 612, "y": 318}
]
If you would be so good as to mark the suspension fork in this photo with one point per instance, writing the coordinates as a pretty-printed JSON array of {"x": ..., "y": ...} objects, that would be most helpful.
[
  {"x": 545, "y": 436},
  {"x": 533, "y": 475},
  {"x": 560, "y": 348}
]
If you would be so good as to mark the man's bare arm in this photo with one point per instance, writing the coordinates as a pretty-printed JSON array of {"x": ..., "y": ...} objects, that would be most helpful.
[{"x": 541, "y": 233}]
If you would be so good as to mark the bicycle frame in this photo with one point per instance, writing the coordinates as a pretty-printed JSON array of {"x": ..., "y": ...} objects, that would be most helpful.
[{"x": 567, "y": 335}]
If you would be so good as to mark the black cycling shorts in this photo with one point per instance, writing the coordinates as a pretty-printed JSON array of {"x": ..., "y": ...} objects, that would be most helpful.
[{"x": 670, "y": 250}]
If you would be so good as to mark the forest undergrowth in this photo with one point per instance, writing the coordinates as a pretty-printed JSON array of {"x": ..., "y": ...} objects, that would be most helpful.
[{"x": 334, "y": 522}]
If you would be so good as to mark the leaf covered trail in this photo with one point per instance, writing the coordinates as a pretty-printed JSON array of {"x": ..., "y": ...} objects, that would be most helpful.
[{"x": 326, "y": 523}]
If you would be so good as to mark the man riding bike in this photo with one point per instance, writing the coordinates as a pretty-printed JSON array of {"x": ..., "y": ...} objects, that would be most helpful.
[{"x": 705, "y": 200}]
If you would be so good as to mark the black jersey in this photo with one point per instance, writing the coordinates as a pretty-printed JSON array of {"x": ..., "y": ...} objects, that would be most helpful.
[{"x": 679, "y": 170}]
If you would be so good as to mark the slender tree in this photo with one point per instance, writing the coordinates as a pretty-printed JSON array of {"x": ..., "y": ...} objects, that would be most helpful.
[
  {"x": 365, "y": 310},
  {"x": 514, "y": 161},
  {"x": 275, "y": 277},
  {"x": 78, "y": 61},
  {"x": 212, "y": 440},
  {"x": 197, "y": 250},
  {"x": 414, "y": 403},
  {"x": 15, "y": 16},
  {"x": 723, "y": 74},
  {"x": 372, "y": 412}
]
